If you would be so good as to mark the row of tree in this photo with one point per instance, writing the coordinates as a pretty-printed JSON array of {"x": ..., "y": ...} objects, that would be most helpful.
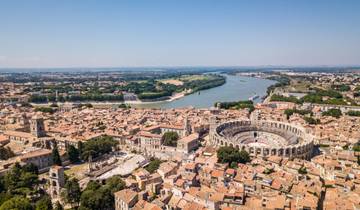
[
  {"x": 236, "y": 105},
  {"x": 333, "y": 113},
  {"x": 75, "y": 98},
  {"x": 353, "y": 113}
]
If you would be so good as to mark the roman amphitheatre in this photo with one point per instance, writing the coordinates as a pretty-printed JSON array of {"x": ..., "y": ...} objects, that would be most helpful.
[{"x": 263, "y": 138}]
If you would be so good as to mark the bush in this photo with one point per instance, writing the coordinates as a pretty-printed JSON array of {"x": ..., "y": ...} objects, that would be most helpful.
[
  {"x": 353, "y": 113},
  {"x": 268, "y": 171},
  {"x": 292, "y": 99},
  {"x": 311, "y": 120},
  {"x": 333, "y": 112}
]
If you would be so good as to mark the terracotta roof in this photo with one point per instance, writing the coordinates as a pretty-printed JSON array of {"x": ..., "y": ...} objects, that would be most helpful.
[
  {"x": 175, "y": 127},
  {"x": 36, "y": 153},
  {"x": 19, "y": 134},
  {"x": 149, "y": 135},
  {"x": 217, "y": 173},
  {"x": 190, "y": 138},
  {"x": 126, "y": 195}
]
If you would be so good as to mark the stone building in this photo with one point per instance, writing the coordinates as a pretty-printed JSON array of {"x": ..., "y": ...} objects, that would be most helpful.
[
  {"x": 264, "y": 138},
  {"x": 188, "y": 143},
  {"x": 125, "y": 199},
  {"x": 37, "y": 127},
  {"x": 41, "y": 158},
  {"x": 57, "y": 180}
]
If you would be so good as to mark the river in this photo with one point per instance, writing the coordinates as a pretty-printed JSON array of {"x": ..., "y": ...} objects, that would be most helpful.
[{"x": 236, "y": 88}]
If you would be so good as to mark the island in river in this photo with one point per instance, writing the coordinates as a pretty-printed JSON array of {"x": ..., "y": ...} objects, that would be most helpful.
[{"x": 174, "y": 91}]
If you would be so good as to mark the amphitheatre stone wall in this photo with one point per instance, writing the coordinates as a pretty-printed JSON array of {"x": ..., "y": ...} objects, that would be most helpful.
[{"x": 263, "y": 138}]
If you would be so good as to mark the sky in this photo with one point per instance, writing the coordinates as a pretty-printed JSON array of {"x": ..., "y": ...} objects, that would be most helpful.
[{"x": 135, "y": 33}]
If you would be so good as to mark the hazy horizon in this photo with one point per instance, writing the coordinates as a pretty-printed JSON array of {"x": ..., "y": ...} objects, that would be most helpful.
[{"x": 164, "y": 34}]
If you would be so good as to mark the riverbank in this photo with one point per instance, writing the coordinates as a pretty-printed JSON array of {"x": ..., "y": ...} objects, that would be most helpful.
[
  {"x": 97, "y": 103},
  {"x": 172, "y": 98},
  {"x": 236, "y": 88}
]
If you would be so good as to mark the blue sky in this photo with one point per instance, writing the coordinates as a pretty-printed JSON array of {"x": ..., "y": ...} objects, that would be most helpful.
[{"x": 104, "y": 33}]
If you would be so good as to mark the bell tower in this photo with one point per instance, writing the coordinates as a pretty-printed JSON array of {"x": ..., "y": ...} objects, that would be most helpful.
[
  {"x": 37, "y": 126},
  {"x": 57, "y": 180},
  {"x": 187, "y": 126}
]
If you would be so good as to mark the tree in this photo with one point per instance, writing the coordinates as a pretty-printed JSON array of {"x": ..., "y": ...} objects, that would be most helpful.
[
  {"x": 31, "y": 168},
  {"x": 5, "y": 197},
  {"x": 92, "y": 185},
  {"x": 44, "y": 204},
  {"x": 72, "y": 191},
  {"x": 2, "y": 187},
  {"x": 97, "y": 147},
  {"x": 6, "y": 153},
  {"x": 73, "y": 154},
  {"x": 56, "y": 156},
  {"x": 19, "y": 181},
  {"x": 153, "y": 165},
  {"x": 170, "y": 138},
  {"x": 90, "y": 199},
  {"x": 16, "y": 203},
  {"x": 101, "y": 197},
  {"x": 80, "y": 147},
  {"x": 289, "y": 112},
  {"x": 230, "y": 154},
  {"x": 311, "y": 120},
  {"x": 115, "y": 183}
]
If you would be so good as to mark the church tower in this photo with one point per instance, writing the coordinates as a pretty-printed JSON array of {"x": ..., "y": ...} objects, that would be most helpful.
[
  {"x": 187, "y": 127},
  {"x": 37, "y": 127},
  {"x": 57, "y": 180}
]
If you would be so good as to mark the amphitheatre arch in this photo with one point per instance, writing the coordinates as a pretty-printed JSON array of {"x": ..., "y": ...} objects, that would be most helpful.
[{"x": 264, "y": 138}]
